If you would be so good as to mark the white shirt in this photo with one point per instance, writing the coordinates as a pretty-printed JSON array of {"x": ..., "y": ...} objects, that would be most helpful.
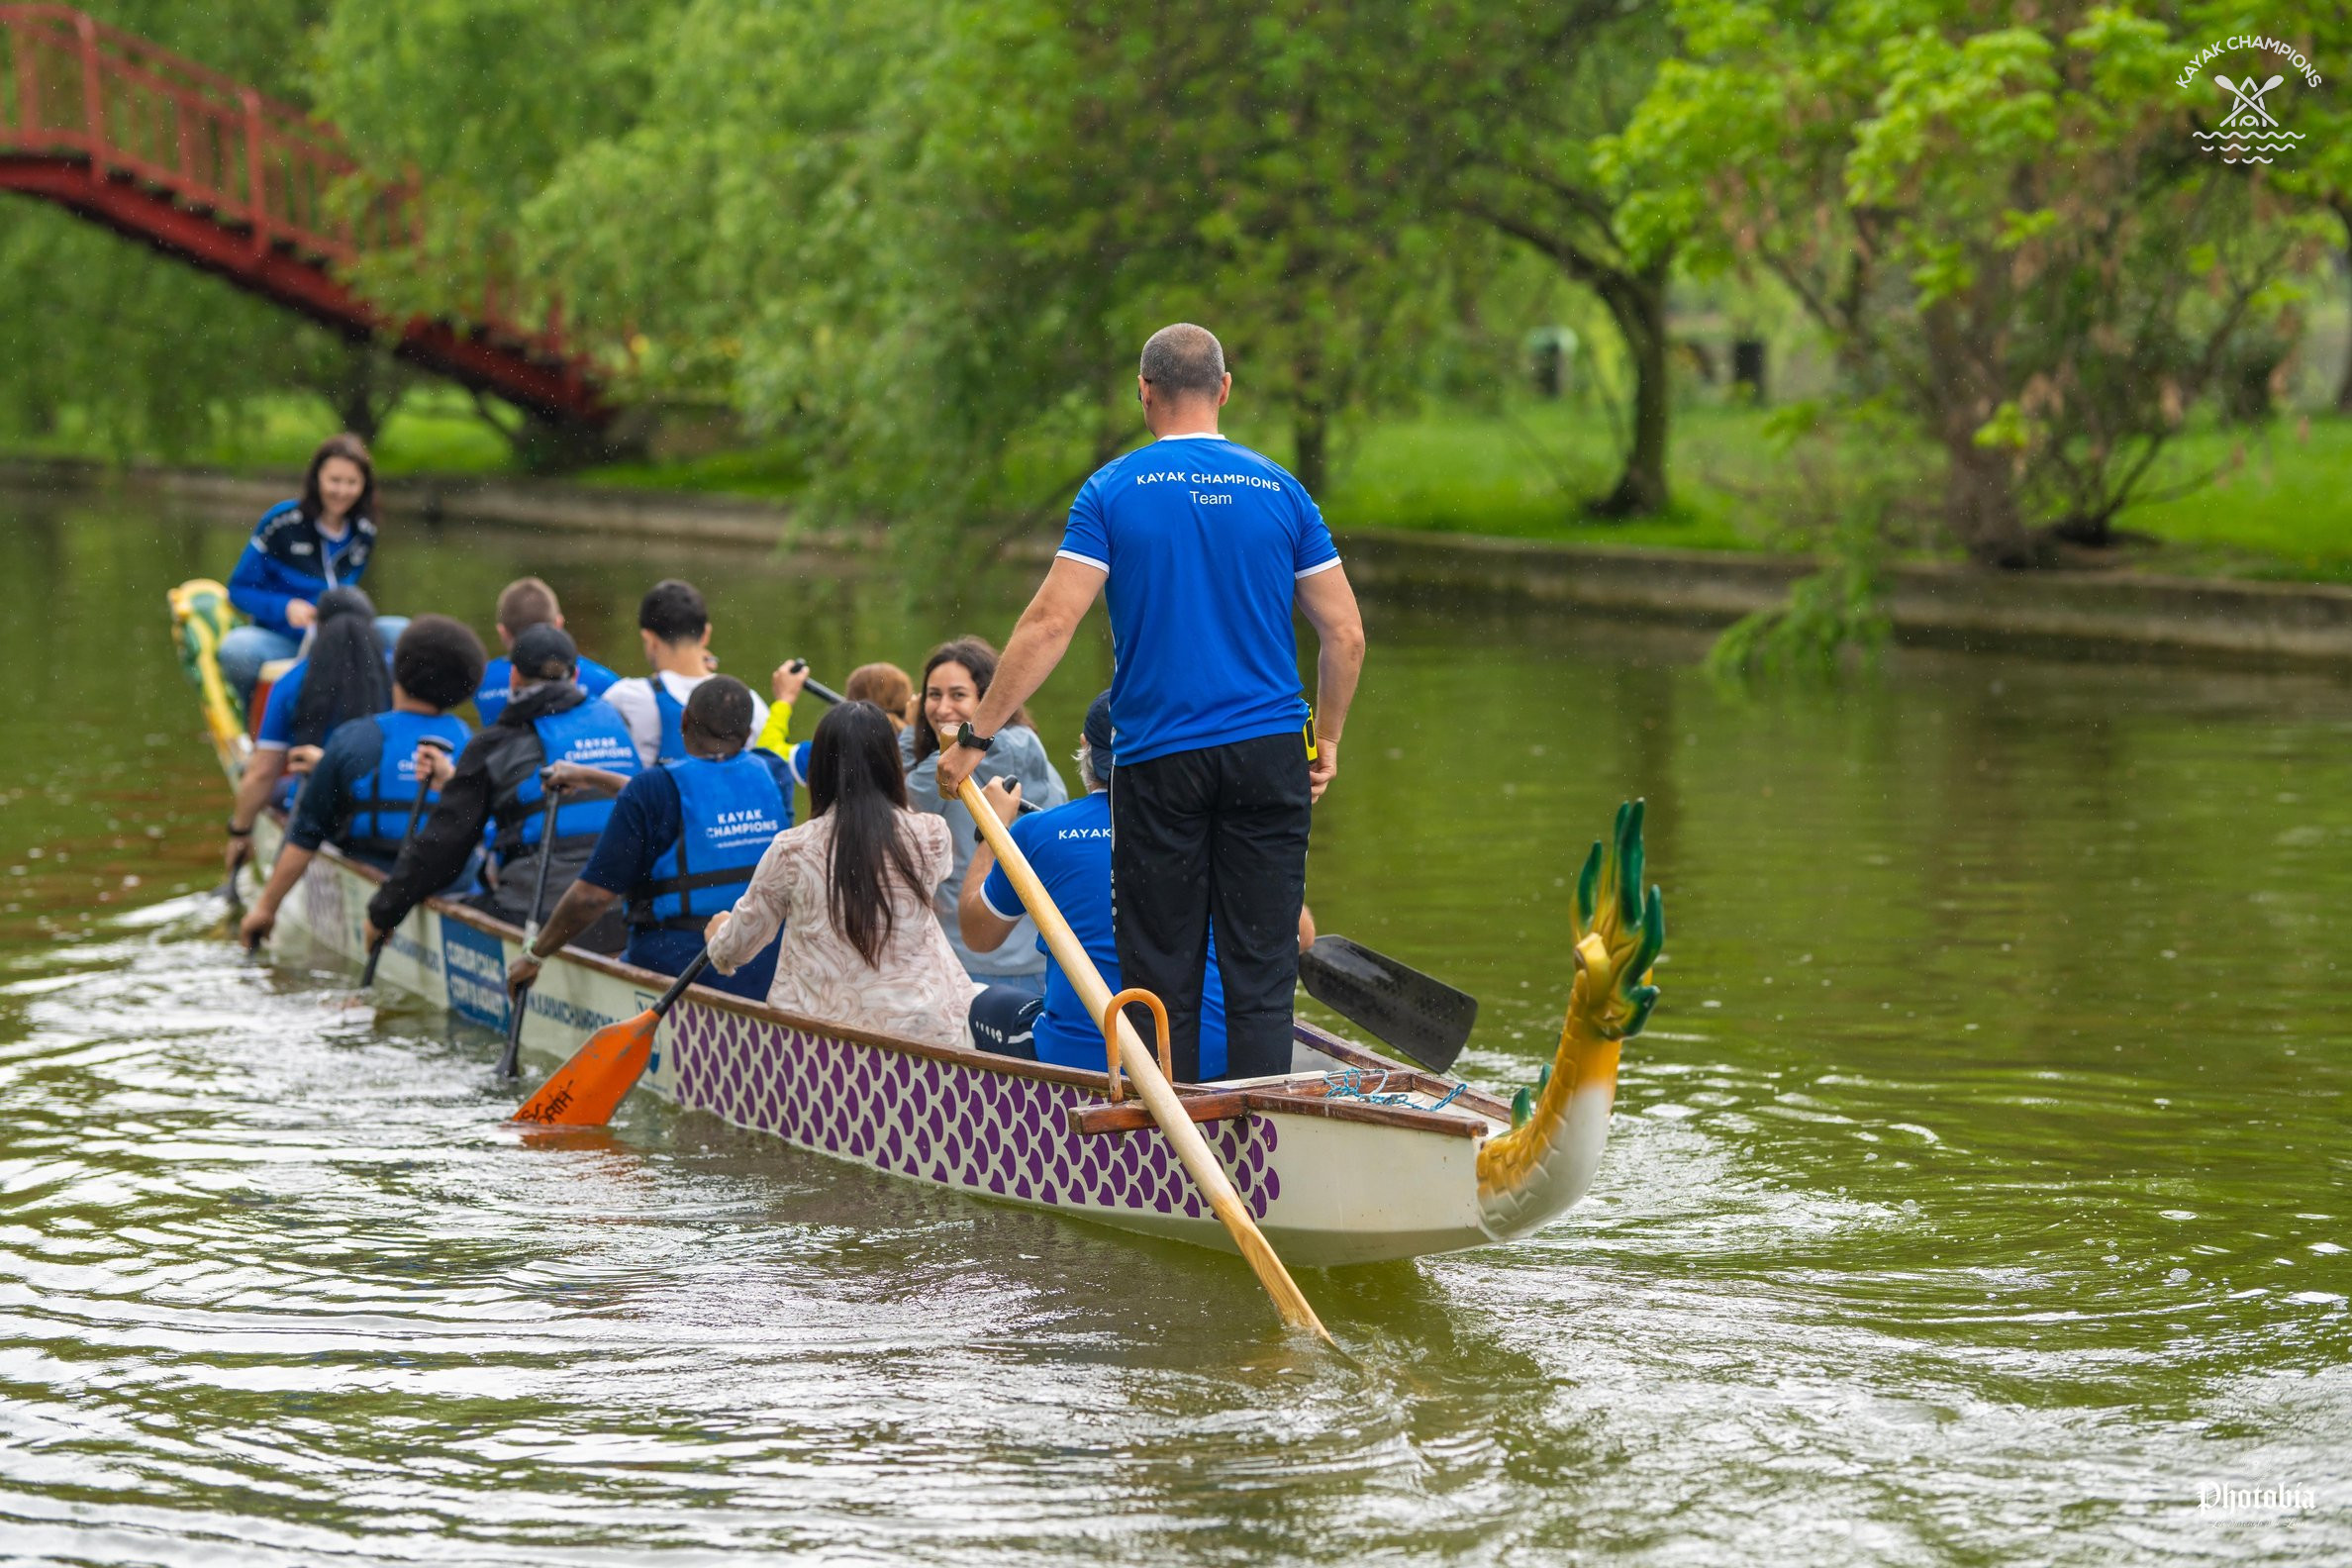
[{"x": 634, "y": 700}]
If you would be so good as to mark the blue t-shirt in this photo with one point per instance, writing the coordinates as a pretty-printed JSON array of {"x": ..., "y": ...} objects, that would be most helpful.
[
  {"x": 1069, "y": 847},
  {"x": 1204, "y": 542},
  {"x": 277, "y": 714},
  {"x": 490, "y": 699},
  {"x": 646, "y": 819}
]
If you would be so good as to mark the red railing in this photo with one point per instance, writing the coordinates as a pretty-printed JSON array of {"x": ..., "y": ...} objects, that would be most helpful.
[{"x": 202, "y": 165}]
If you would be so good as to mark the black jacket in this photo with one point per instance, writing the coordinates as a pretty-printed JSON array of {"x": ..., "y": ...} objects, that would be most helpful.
[{"x": 490, "y": 769}]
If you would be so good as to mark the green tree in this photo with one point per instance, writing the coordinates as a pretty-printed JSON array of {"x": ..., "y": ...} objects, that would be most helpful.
[
  {"x": 1499, "y": 107},
  {"x": 929, "y": 239},
  {"x": 1998, "y": 215},
  {"x": 148, "y": 352}
]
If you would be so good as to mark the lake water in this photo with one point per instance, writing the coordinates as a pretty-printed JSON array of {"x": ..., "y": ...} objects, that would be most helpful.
[{"x": 1981, "y": 1194}]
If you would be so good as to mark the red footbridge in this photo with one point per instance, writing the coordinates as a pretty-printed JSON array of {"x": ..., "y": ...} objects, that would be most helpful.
[{"x": 205, "y": 169}]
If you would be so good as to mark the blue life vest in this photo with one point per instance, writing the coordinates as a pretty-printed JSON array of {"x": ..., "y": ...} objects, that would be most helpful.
[
  {"x": 382, "y": 801},
  {"x": 729, "y": 813},
  {"x": 673, "y": 722},
  {"x": 590, "y": 734}
]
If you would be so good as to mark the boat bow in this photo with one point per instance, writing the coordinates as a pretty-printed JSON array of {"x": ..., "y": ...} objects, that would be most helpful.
[{"x": 1547, "y": 1161}]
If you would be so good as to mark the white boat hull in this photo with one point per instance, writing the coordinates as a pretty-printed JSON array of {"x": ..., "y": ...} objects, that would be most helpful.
[{"x": 1331, "y": 1181}]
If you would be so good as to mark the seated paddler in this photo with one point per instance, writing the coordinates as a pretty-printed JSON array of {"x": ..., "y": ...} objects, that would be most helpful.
[
  {"x": 682, "y": 843},
  {"x": 373, "y": 777},
  {"x": 523, "y": 604},
  {"x": 495, "y": 784},
  {"x": 344, "y": 676},
  {"x": 1069, "y": 847}
]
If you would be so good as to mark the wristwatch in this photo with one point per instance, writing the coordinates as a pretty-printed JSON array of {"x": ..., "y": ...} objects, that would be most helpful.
[
  {"x": 965, "y": 738},
  {"x": 235, "y": 832}
]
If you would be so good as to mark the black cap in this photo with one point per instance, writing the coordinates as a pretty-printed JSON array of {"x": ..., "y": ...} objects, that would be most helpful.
[
  {"x": 1098, "y": 733},
  {"x": 546, "y": 652}
]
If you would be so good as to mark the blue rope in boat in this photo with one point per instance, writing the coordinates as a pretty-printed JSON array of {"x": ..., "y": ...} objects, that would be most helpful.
[{"x": 1351, "y": 1083}]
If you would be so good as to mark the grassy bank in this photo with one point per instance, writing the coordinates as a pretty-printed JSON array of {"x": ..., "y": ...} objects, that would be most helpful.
[{"x": 2275, "y": 510}]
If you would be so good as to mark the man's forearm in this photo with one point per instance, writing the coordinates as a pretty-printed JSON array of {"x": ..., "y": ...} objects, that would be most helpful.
[
  {"x": 1038, "y": 642},
  {"x": 583, "y": 903},
  {"x": 283, "y": 875},
  {"x": 1337, "y": 667}
]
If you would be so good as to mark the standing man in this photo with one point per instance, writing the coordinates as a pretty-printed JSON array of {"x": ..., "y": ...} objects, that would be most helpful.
[{"x": 1203, "y": 548}]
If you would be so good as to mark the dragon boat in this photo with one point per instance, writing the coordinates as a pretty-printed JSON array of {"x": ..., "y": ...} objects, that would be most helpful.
[{"x": 1351, "y": 1157}]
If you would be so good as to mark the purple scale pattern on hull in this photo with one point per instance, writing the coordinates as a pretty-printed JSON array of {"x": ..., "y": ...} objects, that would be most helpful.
[{"x": 945, "y": 1122}]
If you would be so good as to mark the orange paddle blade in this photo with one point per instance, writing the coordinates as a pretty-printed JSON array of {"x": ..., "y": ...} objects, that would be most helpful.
[{"x": 585, "y": 1091}]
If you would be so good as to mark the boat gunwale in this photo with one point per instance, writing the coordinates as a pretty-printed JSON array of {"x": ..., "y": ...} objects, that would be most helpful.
[{"x": 1288, "y": 1089}]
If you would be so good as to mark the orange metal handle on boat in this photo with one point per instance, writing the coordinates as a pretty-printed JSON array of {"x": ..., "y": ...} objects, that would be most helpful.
[{"x": 1159, "y": 1018}]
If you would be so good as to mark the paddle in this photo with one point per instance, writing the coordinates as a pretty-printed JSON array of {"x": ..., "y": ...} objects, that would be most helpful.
[
  {"x": 1425, "y": 1019},
  {"x": 1158, "y": 1096},
  {"x": 375, "y": 949},
  {"x": 585, "y": 1091},
  {"x": 510, "y": 1063}
]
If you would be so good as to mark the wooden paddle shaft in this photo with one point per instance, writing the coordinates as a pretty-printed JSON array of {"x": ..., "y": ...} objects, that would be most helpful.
[{"x": 1157, "y": 1094}]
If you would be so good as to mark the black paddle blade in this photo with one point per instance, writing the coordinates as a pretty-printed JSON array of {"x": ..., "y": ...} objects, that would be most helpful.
[{"x": 1428, "y": 1020}]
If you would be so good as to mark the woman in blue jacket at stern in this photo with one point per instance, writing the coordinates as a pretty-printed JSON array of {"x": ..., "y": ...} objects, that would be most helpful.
[{"x": 299, "y": 550}]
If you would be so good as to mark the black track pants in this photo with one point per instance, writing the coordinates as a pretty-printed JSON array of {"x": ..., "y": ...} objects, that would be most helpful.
[{"x": 1220, "y": 833}]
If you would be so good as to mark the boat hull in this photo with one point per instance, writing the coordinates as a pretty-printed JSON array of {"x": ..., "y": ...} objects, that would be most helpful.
[{"x": 1331, "y": 1181}]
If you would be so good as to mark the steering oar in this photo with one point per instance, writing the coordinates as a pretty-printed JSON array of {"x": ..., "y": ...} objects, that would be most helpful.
[{"x": 1158, "y": 1096}]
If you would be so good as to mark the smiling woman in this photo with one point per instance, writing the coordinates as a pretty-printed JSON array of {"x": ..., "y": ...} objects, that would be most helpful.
[
  {"x": 955, "y": 677},
  {"x": 300, "y": 549}
]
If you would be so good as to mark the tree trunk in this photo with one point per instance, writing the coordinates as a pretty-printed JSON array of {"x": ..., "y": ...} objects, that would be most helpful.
[
  {"x": 1980, "y": 501},
  {"x": 1311, "y": 434},
  {"x": 1637, "y": 304}
]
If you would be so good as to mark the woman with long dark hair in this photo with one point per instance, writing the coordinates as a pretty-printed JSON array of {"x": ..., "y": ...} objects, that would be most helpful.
[
  {"x": 954, "y": 679},
  {"x": 322, "y": 540},
  {"x": 851, "y": 888},
  {"x": 343, "y": 677}
]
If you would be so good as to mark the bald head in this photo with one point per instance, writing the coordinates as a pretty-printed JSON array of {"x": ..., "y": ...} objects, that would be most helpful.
[{"x": 1184, "y": 361}]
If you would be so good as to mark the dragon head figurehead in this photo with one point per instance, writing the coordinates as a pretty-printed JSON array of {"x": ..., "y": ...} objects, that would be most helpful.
[{"x": 1547, "y": 1161}]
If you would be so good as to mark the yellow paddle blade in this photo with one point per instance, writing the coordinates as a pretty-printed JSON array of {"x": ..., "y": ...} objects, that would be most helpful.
[{"x": 585, "y": 1091}]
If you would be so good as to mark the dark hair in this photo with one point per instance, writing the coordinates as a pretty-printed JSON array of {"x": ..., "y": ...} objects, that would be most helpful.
[
  {"x": 1184, "y": 361},
  {"x": 855, "y": 775},
  {"x": 344, "y": 675},
  {"x": 975, "y": 654},
  {"x": 351, "y": 449},
  {"x": 438, "y": 661},
  {"x": 525, "y": 603},
  {"x": 721, "y": 708},
  {"x": 673, "y": 611}
]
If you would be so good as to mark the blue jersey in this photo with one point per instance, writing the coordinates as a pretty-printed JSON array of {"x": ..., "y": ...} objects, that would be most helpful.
[
  {"x": 589, "y": 734},
  {"x": 1203, "y": 542},
  {"x": 1069, "y": 847},
  {"x": 647, "y": 821},
  {"x": 490, "y": 699},
  {"x": 359, "y": 796},
  {"x": 289, "y": 558}
]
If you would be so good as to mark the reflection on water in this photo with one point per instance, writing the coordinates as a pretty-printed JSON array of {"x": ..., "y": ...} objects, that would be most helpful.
[{"x": 1979, "y": 1196}]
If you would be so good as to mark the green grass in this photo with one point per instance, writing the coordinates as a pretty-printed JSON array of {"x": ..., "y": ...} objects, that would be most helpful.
[
  {"x": 1523, "y": 471},
  {"x": 2278, "y": 509}
]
